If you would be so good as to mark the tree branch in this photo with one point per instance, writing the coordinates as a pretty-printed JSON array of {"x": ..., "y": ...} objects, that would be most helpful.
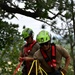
[{"x": 18, "y": 10}]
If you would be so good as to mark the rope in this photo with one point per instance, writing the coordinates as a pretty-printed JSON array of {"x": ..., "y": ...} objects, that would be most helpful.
[
  {"x": 18, "y": 66},
  {"x": 40, "y": 69},
  {"x": 62, "y": 73}
]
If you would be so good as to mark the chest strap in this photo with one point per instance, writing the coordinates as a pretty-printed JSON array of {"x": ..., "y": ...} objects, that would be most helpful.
[
  {"x": 51, "y": 62},
  {"x": 28, "y": 48}
]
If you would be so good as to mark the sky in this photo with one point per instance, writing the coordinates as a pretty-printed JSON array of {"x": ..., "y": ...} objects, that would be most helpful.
[{"x": 29, "y": 23}]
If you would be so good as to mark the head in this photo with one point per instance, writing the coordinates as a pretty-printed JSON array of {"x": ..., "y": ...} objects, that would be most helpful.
[
  {"x": 27, "y": 34},
  {"x": 43, "y": 38}
]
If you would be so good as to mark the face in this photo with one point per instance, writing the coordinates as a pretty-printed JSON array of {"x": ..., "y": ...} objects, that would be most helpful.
[
  {"x": 45, "y": 46},
  {"x": 28, "y": 39}
]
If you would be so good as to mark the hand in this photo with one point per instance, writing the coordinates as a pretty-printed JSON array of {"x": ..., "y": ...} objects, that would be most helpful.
[
  {"x": 64, "y": 71},
  {"x": 21, "y": 59},
  {"x": 26, "y": 58}
]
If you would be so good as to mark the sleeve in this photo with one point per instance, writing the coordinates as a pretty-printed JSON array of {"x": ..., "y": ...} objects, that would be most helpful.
[
  {"x": 35, "y": 56},
  {"x": 64, "y": 51},
  {"x": 38, "y": 46}
]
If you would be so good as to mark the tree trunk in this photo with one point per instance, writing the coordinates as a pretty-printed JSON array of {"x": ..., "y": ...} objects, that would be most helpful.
[{"x": 73, "y": 15}]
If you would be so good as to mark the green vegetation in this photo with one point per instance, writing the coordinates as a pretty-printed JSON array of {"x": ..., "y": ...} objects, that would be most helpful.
[{"x": 10, "y": 44}]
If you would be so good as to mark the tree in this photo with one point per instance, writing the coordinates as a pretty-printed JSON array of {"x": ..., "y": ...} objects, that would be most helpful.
[
  {"x": 7, "y": 33},
  {"x": 10, "y": 44},
  {"x": 32, "y": 8}
]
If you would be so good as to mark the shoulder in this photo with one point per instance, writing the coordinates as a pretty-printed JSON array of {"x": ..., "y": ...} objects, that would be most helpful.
[
  {"x": 25, "y": 45},
  {"x": 64, "y": 52},
  {"x": 22, "y": 48},
  {"x": 61, "y": 48},
  {"x": 58, "y": 47},
  {"x": 37, "y": 45}
]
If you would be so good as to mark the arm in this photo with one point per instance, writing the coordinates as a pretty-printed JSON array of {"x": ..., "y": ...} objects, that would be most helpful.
[
  {"x": 22, "y": 58},
  {"x": 28, "y": 58},
  {"x": 67, "y": 62},
  {"x": 66, "y": 55}
]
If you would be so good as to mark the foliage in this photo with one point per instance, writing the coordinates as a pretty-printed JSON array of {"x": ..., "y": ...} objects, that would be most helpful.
[
  {"x": 36, "y": 9},
  {"x": 43, "y": 10},
  {"x": 10, "y": 44},
  {"x": 8, "y": 34}
]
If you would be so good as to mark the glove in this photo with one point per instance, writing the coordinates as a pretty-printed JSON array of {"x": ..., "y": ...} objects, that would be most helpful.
[{"x": 63, "y": 71}]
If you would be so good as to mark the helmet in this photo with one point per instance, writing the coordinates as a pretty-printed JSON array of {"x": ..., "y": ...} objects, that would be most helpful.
[
  {"x": 27, "y": 32},
  {"x": 43, "y": 37}
]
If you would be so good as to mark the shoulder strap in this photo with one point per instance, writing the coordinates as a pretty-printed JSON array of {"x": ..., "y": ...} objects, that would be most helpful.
[
  {"x": 33, "y": 44},
  {"x": 53, "y": 54}
]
